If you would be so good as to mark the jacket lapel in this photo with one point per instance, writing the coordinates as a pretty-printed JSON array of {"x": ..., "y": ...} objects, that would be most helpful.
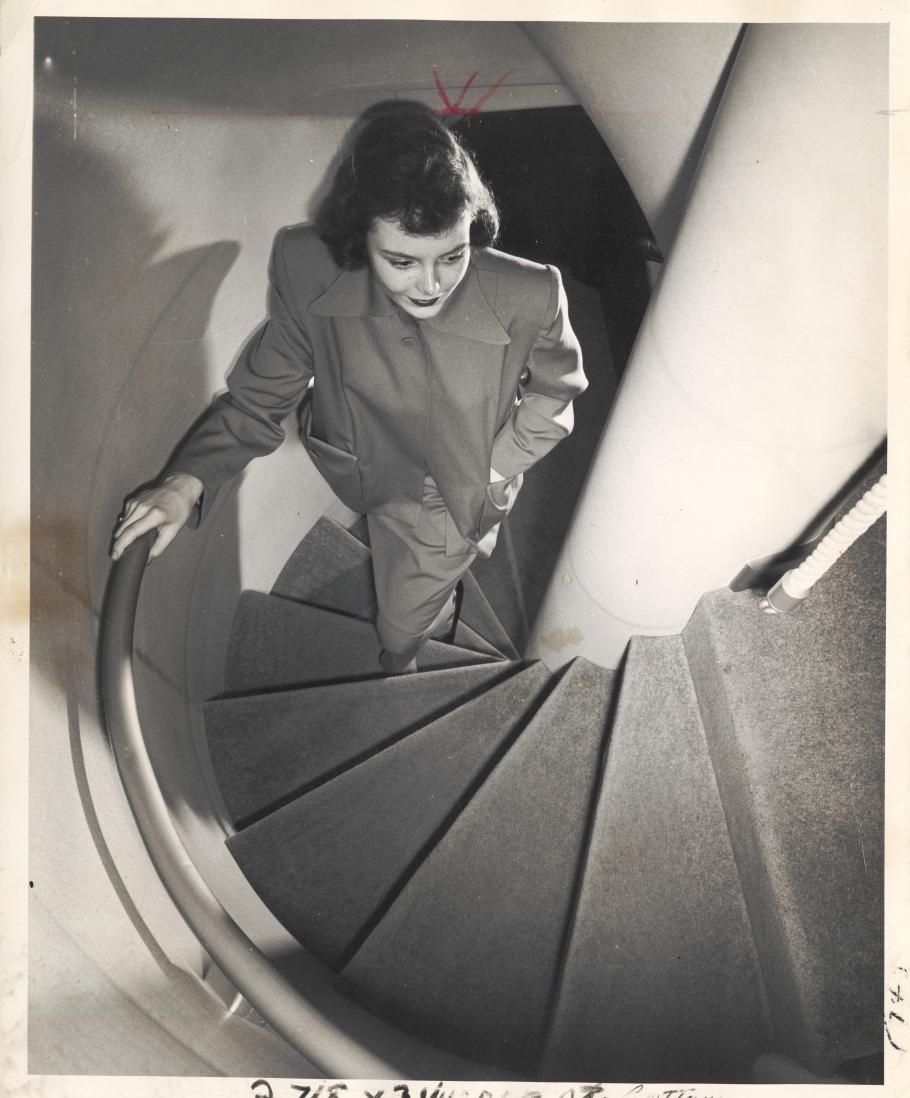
[
  {"x": 353, "y": 293},
  {"x": 467, "y": 313}
]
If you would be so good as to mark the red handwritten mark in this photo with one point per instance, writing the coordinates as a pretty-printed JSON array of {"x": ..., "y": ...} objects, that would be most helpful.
[
  {"x": 454, "y": 109},
  {"x": 480, "y": 102}
]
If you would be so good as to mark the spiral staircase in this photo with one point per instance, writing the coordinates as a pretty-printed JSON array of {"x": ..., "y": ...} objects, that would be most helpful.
[{"x": 661, "y": 872}]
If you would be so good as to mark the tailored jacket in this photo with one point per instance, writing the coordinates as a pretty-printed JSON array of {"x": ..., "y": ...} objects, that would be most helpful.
[{"x": 383, "y": 399}]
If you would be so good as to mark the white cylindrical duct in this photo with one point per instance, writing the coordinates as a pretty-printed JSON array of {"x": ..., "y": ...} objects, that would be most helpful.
[{"x": 757, "y": 385}]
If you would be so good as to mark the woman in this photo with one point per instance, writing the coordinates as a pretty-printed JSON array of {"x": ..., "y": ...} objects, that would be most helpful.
[{"x": 429, "y": 372}]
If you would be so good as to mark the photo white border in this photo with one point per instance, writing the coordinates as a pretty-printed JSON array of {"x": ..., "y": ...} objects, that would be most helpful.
[{"x": 16, "y": 94}]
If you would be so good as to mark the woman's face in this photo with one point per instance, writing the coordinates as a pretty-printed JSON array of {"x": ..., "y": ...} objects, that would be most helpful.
[{"x": 419, "y": 272}]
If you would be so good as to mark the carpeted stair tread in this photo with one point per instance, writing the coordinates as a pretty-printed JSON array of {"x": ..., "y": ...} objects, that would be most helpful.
[
  {"x": 477, "y": 613},
  {"x": 325, "y": 863},
  {"x": 468, "y": 637},
  {"x": 276, "y": 642},
  {"x": 661, "y": 980},
  {"x": 361, "y": 531},
  {"x": 268, "y": 747},
  {"x": 330, "y": 568},
  {"x": 466, "y": 956},
  {"x": 794, "y": 713}
]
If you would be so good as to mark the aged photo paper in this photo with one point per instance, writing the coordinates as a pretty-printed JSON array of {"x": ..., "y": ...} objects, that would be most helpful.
[{"x": 187, "y": 185}]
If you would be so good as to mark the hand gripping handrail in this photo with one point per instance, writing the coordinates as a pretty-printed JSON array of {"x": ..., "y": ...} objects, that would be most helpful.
[
  {"x": 793, "y": 586},
  {"x": 284, "y": 1008}
]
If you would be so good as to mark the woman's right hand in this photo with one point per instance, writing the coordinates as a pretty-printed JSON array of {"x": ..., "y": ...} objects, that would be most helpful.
[{"x": 164, "y": 508}]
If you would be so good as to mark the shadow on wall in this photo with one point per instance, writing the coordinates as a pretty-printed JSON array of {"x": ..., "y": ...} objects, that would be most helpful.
[
  {"x": 670, "y": 213},
  {"x": 119, "y": 369},
  {"x": 564, "y": 200}
]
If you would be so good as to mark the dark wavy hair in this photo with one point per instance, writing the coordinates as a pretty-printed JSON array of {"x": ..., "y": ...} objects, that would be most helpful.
[{"x": 402, "y": 164}]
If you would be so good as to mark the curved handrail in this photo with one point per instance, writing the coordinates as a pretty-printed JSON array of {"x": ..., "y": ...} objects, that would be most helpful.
[{"x": 284, "y": 1008}]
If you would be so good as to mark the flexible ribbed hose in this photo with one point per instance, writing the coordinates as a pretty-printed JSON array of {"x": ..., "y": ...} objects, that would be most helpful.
[{"x": 793, "y": 586}]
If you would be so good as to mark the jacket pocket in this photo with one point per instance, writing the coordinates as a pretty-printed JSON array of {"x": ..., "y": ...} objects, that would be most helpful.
[{"x": 339, "y": 468}]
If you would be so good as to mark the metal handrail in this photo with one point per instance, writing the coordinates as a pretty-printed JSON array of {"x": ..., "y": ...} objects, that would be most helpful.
[{"x": 282, "y": 1006}]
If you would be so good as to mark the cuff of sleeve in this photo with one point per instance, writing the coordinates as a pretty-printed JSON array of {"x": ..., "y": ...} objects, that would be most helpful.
[
  {"x": 209, "y": 492},
  {"x": 530, "y": 434}
]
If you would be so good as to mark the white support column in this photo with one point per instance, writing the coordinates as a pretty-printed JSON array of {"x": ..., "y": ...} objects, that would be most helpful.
[{"x": 758, "y": 382}]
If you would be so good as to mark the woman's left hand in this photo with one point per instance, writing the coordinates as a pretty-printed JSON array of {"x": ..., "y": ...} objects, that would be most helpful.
[{"x": 164, "y": 508}]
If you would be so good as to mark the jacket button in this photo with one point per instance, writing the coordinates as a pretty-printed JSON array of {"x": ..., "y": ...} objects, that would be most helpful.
[{"x": 409, "y": 341}]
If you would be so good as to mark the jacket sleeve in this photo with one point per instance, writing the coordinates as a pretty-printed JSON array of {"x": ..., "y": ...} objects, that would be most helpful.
[
  {"x": 554, "y": 377},
  {"x": 266, "y": 384}
]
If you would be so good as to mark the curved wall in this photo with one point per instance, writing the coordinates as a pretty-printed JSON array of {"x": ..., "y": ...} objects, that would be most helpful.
[
  {"x": 150, "y": 248},
  {"x": 165, "y": 158},
  {"x": 652, "y": 90}
]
